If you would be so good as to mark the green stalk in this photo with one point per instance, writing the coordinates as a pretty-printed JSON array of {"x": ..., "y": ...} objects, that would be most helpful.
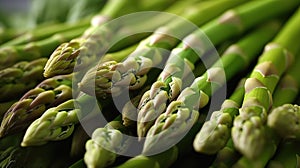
[
  {"x": 97, "y": 38},
  {"x": 19, "y": 78},
  {"x": 287, "y": 155},
  {"x": 215, "y": 133},
  {"x": 181, "y": 113},
  {"x": 151, "y": 52},
  {"x": 105, "y": 144},
  {"x": 161, "y": 160},
  {"x": 32, "y": 105},
  {"x": 285, "y": 92},
  {"x": 248, "y": 131},
  {"x": 41, "y": 33},
  {"x": 10, "y": 55}
]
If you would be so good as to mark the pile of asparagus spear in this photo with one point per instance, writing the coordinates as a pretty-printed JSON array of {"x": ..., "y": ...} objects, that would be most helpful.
[{"x": 138, "y": 83}]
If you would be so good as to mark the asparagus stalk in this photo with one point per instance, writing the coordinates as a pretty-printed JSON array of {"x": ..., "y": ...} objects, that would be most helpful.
[
  {"x": 181, "y": 113},
  {"x": 285, "y": 92},
  {"x": 133, "y": 70},
  {"x": 215, "y": 133},
  {"x": 161, "y": 160},
  {"x": 284, "y": 119},
  {"x": 105, "y": 144},
  {"x": 50, "y": 92},
  {"x": 248, "y": 131},
  {"x": 40, "y": 33},
  {"x": 21, "y": 77},
  {"x": 96, "y": 39},
  {"x": 10, "y": 55},
  {"x": 287, "y": 155}
]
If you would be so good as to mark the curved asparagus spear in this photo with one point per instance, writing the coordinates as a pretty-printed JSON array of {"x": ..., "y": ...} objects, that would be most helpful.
[
  {"x": 16, "y": 80},
  {"x": 248, "y": 131},
  {"x": 151, "y": 52},
  {"x": 96, "y": 39},
  {"x": 181, "y": 113},
  {"x": 50, "y": 92},
  {"x": 10, "y": 55}
]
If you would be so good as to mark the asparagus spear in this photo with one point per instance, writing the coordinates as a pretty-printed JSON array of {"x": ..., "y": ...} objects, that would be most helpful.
[
  {"x": 96, "y": 39},
  {"x": 10, "y": 55},
  {"x": 42, "y": 32},
  {"x": 215, "y": 132},
  {"x": 285, "y": 92},
  {"x": 287, "y": 155},
  {"x": 133, "y": 70},
  {"x": 21, "y": 77},
  {"x": 181, "y": 113},
  {"x": 106, "y": 143},
  {"x": 284, "y": 119},
  {"x": 161, "y": 160},
  {"x": 48, "y": 93},
  {"x": 248, "y": 131}
]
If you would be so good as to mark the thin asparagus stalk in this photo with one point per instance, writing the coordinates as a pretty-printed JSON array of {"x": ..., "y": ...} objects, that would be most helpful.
[
  {"x": 50, "y": 92},
  {"x": 215, "y": 133},
  {"x": 10, "y": 55},
  {"x": 41, "y": 33},
  {"x": 21, "y": 77},
  {"x": 181, "y": 113},
  {"x": 248, "y": 131},
  {"x": 96, "y": 39},
  {"x": 79, "y": 138},
  {"x": 133, "y": 71}
]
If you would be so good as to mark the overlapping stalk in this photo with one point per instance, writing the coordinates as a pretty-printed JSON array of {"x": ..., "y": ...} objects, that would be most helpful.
[
  {"x": 105, "y": 144},
  {"x": 284, "y": 120},
  {"x": 164, "y": 159},
  {"x": 84, "y": 50},
  {"x": 10, "y": 55},
  {"x": 50, "y": 92},
  {"x": 181, "y": 113},
  {"x": 19, "y": 78},
  {"x": 112, "y": 78},
  {"x": 215, "y": 132},
  {"x": 249, "y": 133}
]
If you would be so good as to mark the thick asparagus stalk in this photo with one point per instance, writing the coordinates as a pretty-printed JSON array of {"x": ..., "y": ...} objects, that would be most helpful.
[
  {"x": 151, "y": 52},
  {"x": 284, "y": 119},
  {"x": 85, "y": 49},
  {"x": 248, "y": 131},
  {"x": 181, "y": 113},
  {"x": 106, "y": 143},
  {"x": 50, "y": 92},
  {"x": 215, "y": 132},
  {"x": 21, "y": 77},
  {"x": 12, "y": 54},
  {"x": 285, "y": 92}
]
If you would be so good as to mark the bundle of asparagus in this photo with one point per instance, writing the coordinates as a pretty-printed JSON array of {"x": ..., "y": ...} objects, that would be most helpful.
[{"x": 118, "y": 83}]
